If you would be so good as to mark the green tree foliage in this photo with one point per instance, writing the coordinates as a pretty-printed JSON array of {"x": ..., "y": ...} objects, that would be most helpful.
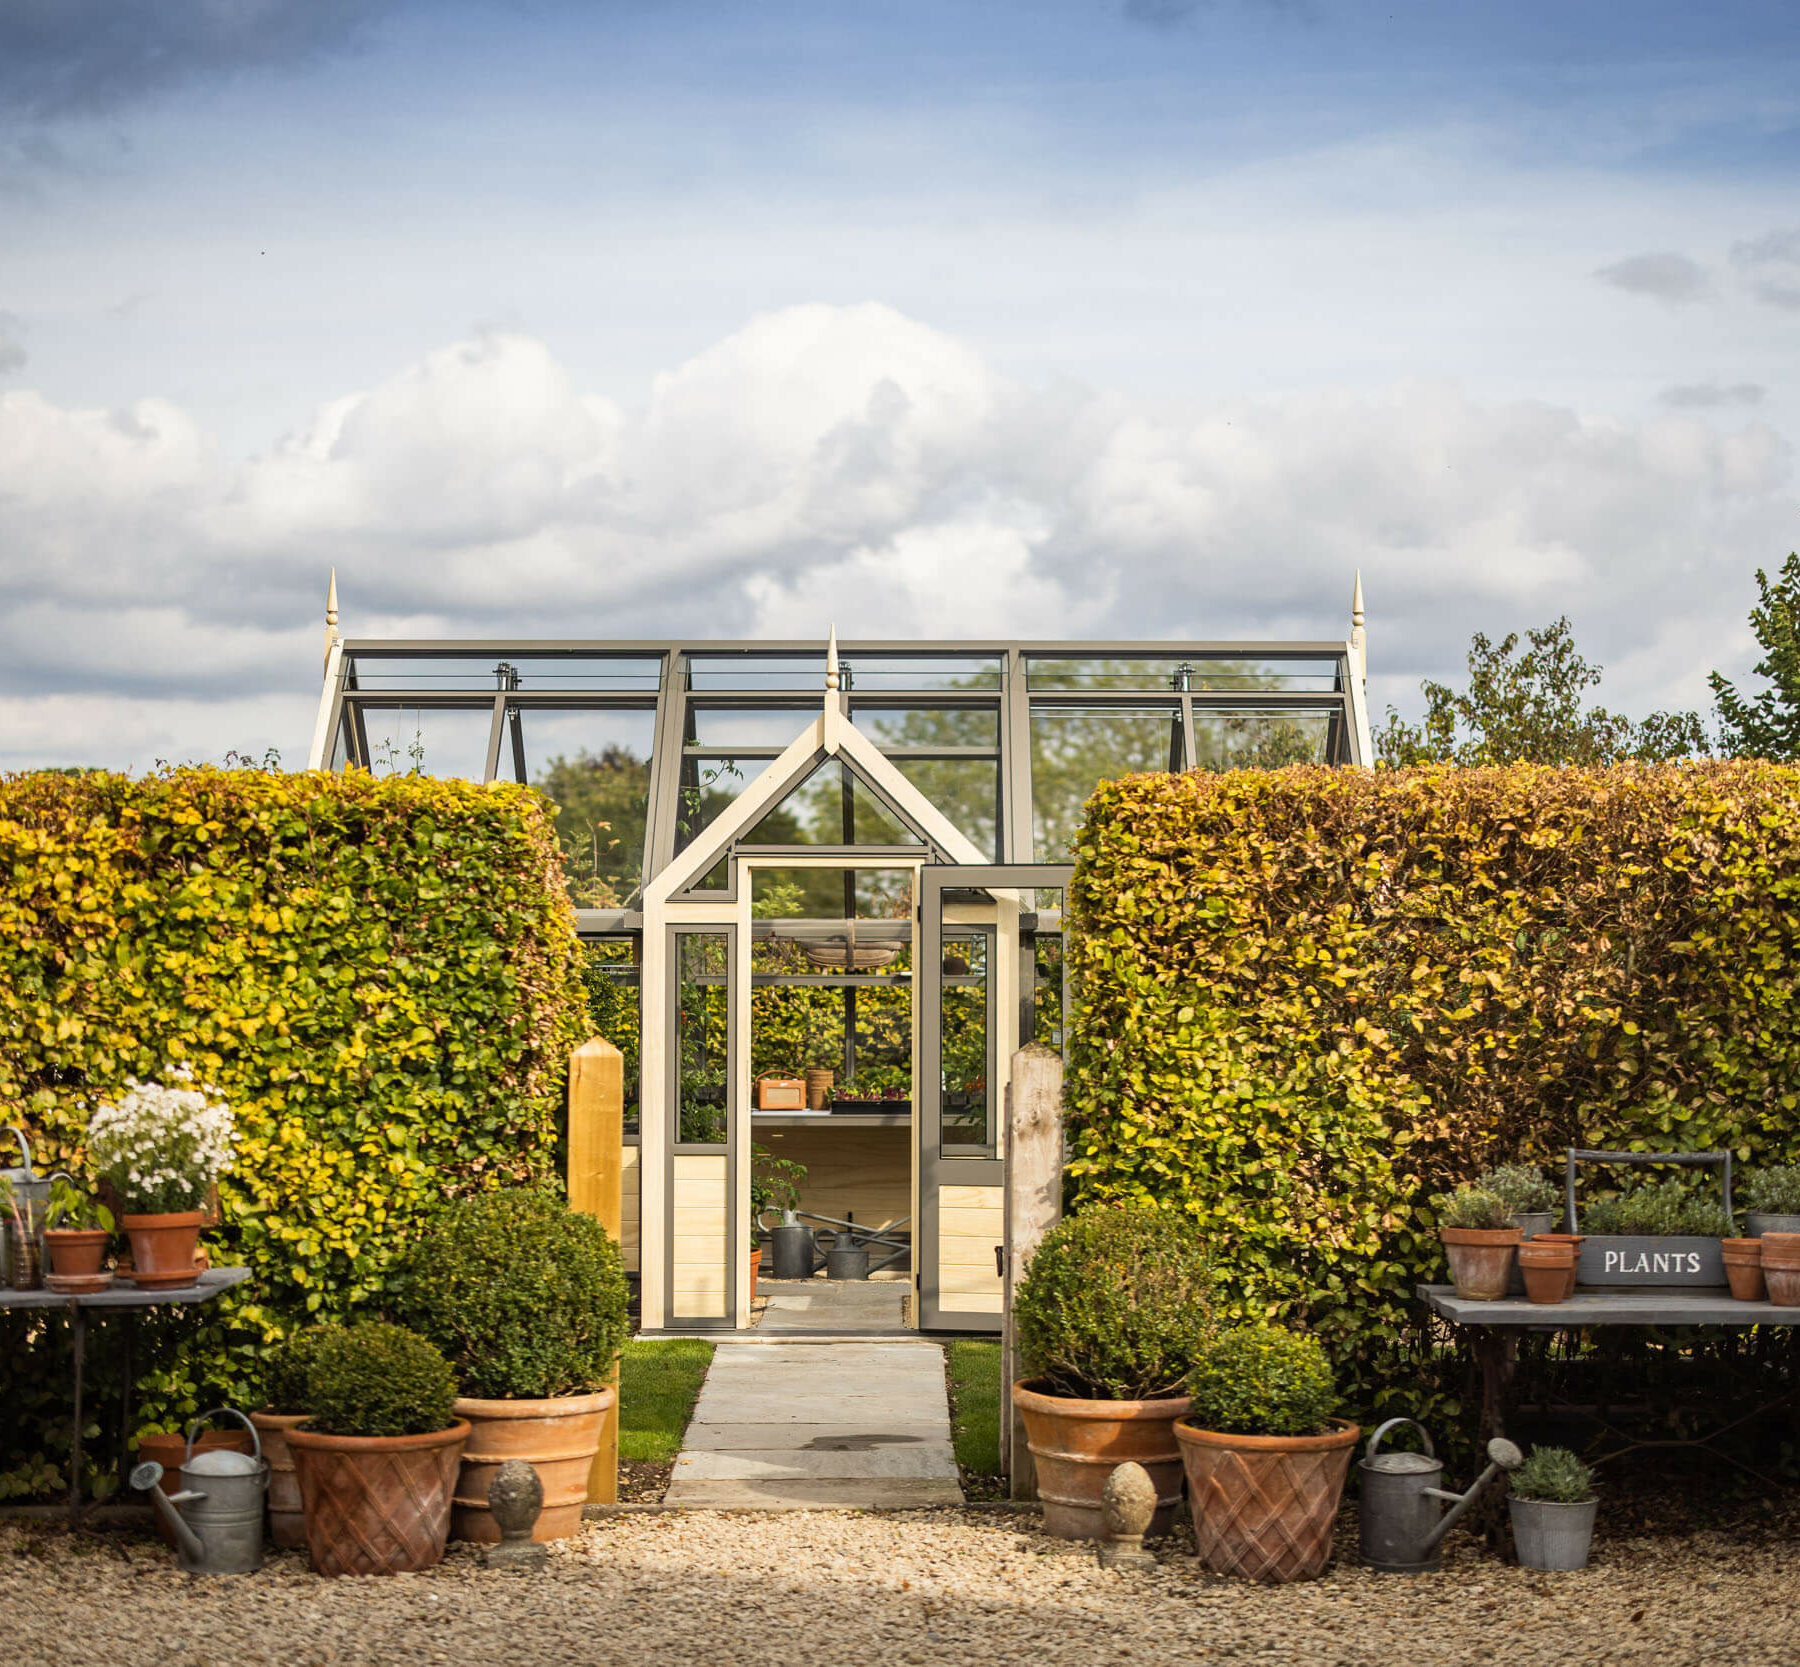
[
  {"x": 601, "y": 801},
  {"x": 1767, "y": 724},
  {"x": 1526, "y": 708}
]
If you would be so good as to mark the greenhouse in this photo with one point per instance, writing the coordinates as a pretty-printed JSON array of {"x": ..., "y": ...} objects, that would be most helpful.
[{"x": 822, "y": 884}]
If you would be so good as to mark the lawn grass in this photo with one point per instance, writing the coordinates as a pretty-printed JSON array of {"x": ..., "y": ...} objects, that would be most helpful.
[
  {"x": 975, "y": 1404},
  {"x": 659, "y": 1381}
]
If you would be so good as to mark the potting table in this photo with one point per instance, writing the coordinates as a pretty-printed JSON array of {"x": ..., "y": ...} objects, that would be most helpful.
[
  {"x": 128, "y": 1297},
  {"x": 1494, "y": 1329}
]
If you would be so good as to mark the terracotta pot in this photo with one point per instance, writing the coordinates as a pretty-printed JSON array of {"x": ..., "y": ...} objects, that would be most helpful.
[
  {"x": 1575, "y": 1240},
  {"x": 755, "y": 1268},
  {"x": 164, "y": 1247},
  {"x": 75, "y": 1251},
  {"x": 1546, "y": 1266},
  {"x": 557, "y": 1437},
  {"x": 376, "y": 1504},
  {"x": 1781, "y": 1268},
  {"x": 1264, "y": 1505},
  {"x": 1481, "y": 1260},
  {"x": 287, "y": 1518},
  {"x": 169, "y": 1449},
  {"x": 1743, "y": 1268},
  {"x": 1077, "y": 1443}
]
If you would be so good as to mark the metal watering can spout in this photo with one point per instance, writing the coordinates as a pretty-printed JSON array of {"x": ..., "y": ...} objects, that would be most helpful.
[
  {"x": 220, "y": 1531},
  {"x": 145, "y": 1478},
  {"x": 1502, "y": 1455}
]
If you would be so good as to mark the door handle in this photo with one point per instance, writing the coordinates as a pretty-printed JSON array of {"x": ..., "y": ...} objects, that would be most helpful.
[{"x": 999, "y": 1261}]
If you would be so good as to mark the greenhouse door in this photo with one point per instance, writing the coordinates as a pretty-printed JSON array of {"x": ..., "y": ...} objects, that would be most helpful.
[{"x": 980, "y": 990}]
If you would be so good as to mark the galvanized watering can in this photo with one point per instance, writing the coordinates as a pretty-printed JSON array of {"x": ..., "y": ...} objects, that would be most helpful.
[
  {"x": 792, "y": 1244},
  {"x": 217, "y": 1517},
  {"x": 21, "y": 1242},
  {"x": 1403, "y": 1525},
  {"x": 848, "y": 1257}
]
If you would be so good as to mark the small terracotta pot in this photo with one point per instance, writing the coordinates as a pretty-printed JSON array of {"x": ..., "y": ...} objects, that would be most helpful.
[
  {"x": 1781, "y": 1268},
  {"x": 164, "y": 1248},
  {"x": 1481, "y": 1260},
  {"x": 1575, "y": 1241},
  {"x": 1264, "y": 1505},
  {"x": 1743, "y": 1268},
  {"x": 77, "y": 1251},
  {"x": 377, "y": 1504},
  {"x": 558, "y": 1438},
  {"x": 169, "y": 1449},
  {"x": 1076, "y": 1445},
  {"x": 1546, "y": 1265},
  {"x": 287, "y": 1518}
]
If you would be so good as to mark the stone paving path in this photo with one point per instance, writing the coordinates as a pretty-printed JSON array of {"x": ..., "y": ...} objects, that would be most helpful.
[
  {"x": 834, "y": 1305},
  {"x": 796, "y": 1426}
]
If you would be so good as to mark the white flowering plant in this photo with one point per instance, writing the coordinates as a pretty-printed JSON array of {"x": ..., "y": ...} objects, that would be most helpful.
[{"x": 161, "y": 1145}]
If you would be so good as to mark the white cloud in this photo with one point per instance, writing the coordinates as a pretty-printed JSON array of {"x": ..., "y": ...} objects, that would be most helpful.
[{"x": 843, "y": 464}]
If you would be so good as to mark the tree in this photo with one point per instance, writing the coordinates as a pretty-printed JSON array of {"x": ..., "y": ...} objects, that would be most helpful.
[
  {"x": 1527, "y": 708},
  {"x": 1768, "y": 725}
]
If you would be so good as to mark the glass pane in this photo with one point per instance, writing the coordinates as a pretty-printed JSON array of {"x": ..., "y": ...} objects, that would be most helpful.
[
  {"x": 500, "y": 671},
  {"x": 964, "y": 1115},
  {"x": 614, "y": 987},
  {"x": 1104, "y": 673},
  {"x": 708, "y": 787},
  {"x": 702, "y": 1040},
  {"x": 837, "y": 894},
  {"x": 594, "y": 766},
  {"x": 1196, "y": 673},
  {"x": 1073, "y": 750},
  {"x": 923, "y": 727},
  {"x": 723, "y": 728},
  {"x": 439, "y": 741},
  {"x": 755, "y": 671},
  {"x": 1260, "y": 740},
  {"x": 967, "y": 791},
  {"x": 864, "y": 671},
  {"x": 1047, "y": 991},
  {"x": 1310, "y": 676},
  {"x": 871, "y": 671},
  {"x": 833, "y": 806}
]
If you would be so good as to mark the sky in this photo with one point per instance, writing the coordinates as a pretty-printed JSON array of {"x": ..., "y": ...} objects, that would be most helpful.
[{"x": 1067, "y": 319}]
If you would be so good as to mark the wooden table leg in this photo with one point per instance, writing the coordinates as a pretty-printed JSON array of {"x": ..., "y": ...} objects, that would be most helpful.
[
  {"x": 1497, "y": 1354},
  {"x": 78, "y": 1339}
]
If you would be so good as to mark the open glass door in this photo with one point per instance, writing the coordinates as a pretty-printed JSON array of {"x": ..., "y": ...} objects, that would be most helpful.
[{"x": 988, "y": 978}]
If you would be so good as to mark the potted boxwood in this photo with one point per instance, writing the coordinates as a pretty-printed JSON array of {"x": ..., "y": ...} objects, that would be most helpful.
[
  {"x": 284, "y": 1397},
  {"x": 1479, "y": 1239},
  {"x": 77, "y": 1230},
  {"x": 1552, "y": 1503},
  {"x": 1771, "y": 1200},
  {"x": 1265, "y": 1458},
  {"x": 377, "y": 1453},
  {"x": 527, "y": 1299},
  {"x": 1106, "y": 1320}
]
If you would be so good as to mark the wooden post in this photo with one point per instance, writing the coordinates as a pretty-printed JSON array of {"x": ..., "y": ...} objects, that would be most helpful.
[
  {"x": 1034, "y": 1164},
  {"x": 596, "y": 1171}
]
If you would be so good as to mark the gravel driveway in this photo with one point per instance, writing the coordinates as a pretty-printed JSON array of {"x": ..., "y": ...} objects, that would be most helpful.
[{"x": 846, "y": 1588}]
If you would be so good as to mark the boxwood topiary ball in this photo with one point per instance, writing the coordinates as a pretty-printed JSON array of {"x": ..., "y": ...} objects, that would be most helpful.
[
  {"x": 376, "y": 1379},
  {"x": 1263, "y": 1380},
  {"x": 526, "y": 1296}
]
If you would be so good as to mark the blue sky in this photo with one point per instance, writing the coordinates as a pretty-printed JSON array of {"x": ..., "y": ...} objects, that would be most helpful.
[{"x": 1062, "y": 319}]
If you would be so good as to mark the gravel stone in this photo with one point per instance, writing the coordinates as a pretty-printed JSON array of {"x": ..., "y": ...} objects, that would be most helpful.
[{"x": 911, "y": 1587}]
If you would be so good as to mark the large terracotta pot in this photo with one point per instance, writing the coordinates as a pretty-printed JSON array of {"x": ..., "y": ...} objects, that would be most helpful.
[
  {"x": 1481, "y": 1260},
  {"x": 1546, "y": 1266},
  {"x": 1076, "y": 1445},
  {"x": 377, "y": 1504},
  {"x": 287, "y": 1517},
  {"x": 558, "y": 1438},
  {"x": 169, "y": 1449},
  {"x": 76, "y": 1251},
  {"x": 1264, "y": 1505},
  {"x": 164, "y": 1248},
  {"x": 1781, "y": 1268}
]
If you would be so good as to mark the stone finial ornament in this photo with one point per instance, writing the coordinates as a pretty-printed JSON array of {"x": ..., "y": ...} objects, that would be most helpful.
[
  {"x": 831, "y": 662},
  {"x": 516, "y": 1496},
  {"x": 1359, "y": 636},
  {"x": 1127, "y": 1503},
  {"x": 331, "y": 617}
]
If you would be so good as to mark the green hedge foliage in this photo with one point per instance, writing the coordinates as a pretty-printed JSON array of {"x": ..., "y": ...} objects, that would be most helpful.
[
  {"x": 380, "y": 975},
  {"x": 1308, "y": 1000}
]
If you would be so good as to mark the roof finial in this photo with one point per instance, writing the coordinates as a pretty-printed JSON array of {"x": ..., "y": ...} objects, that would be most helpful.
[
  {"x": 1359, "y": 638},
  {"x": 331, "y": 616},
  {"x": 831, "y": 661}
]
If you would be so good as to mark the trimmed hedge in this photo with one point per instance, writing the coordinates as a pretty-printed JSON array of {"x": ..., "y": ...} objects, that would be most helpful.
[
  {"x": 1307, "y": 1000},
  {"x": 380, "y": 975}
]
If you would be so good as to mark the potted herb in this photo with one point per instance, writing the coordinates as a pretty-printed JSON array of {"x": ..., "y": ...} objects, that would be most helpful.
[
  {"x": 77, "y": 1229},
  {"x": 1772, "y": 1200},
  {"x": 1479, "y": 1240},
  {"x": 527, "y": 1299},
  {"x": 1655, "y": 1233},
  {"x": 1552, "y": 1504},
  {"x": 284, "y": 1407},
  {"x": 1265, "y": 1458},
  {"x": 774, "y": 1185},
  {"x": 1527, "y": 1195},
  {"x": 378, "y": 1451},
  {"x": 160, "y": 1148},
  {"x": 1107, "y": 1319}
]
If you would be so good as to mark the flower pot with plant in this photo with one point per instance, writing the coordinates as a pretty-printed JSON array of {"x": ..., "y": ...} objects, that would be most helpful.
[
  {"x": 526, "y": 1298},
  {"x": 77, "y": 1230},
  {"x": 774, "y": 1185},
  {"x": 1480, "y": 1241},
  {"x": 1107, "y": 1319},
  {"x": 1771, "y": 1197},
  {"x": 1265, "y": 1458},
  {"x": 160, "y": 1147},
  {"x": 1655, "y": 1233},
  {"x": 284, "y": 1407},
  {"x": 1552, "y": 1503},
  {"x": 1529, "y": 1198},
  {"x": 378, "y": 1451}
]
